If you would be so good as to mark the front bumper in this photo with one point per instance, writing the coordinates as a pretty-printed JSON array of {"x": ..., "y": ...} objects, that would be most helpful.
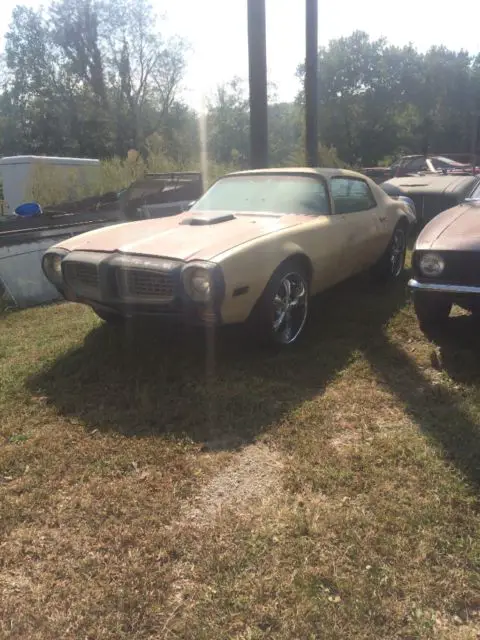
[
  {"x": 184, "y": 314},
  {"x": 449, "y": 289},
  {"x": 133, "y": 286},
  {"x": 465, "y": 296}
]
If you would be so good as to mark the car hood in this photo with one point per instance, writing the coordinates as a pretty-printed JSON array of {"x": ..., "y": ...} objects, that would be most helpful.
[
  {"x": 455, "y": 229},
  {"x": 176, "y": 237}
]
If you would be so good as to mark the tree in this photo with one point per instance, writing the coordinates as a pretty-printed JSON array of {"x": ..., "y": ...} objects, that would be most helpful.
[
  {"x": 96, "y": 78},
  {"x": 377, "y": 100},
  {"x": 228, "y": 124}
]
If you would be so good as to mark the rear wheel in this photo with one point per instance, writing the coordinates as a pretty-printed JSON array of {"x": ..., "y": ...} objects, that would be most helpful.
[
  {"x": 431, "y": 311},
  {"x": 281, "y": 313},
  {"x": 391, "y": 264}
]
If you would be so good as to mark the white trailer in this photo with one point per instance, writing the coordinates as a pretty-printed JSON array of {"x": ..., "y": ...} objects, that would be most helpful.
[{"x": 18, "y": 174}]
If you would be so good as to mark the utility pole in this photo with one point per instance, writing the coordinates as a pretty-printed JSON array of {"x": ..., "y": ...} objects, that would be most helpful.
[
  {"x": 257, "y": 59},
  {"x": 311, "y": 83},
  {"x": 476, "y": 117}
]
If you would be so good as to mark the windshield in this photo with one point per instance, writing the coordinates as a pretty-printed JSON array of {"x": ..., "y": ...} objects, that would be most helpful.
[
  {"x": 440, "y": 161},
  {"x": 266, "y": 193}
]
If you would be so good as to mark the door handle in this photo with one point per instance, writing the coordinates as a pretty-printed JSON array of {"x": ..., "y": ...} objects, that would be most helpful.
[{"x": 382, "y": 218}]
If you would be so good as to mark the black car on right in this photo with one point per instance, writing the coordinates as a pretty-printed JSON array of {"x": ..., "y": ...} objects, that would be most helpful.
[
  {"x": 446, "y": 263},
  {"x": 433, "y": 193}
]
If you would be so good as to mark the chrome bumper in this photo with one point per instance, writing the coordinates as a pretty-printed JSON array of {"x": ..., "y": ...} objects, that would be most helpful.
[{"x": 442, "y": 288}]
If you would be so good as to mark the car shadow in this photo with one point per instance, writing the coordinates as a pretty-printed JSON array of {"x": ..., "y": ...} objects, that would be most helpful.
[
  {"x": 458, "y": 342},
  {"x": 223, "y": 392},
  {"x": 439, "y": 410},
  {"x": 220, "y": 392}
]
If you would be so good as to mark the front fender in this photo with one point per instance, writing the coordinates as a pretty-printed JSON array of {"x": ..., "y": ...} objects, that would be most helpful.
[
  {"x": 406, "y": 212},
  {"x": 247, "y": 273}
]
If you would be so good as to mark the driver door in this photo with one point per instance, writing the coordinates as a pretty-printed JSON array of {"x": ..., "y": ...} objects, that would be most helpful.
[{"x": 362, "y": 222}]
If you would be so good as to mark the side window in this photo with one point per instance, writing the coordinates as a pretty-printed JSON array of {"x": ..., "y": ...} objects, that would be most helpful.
[
  {"x": 313, "y": 198},
  {"x": 351, "y": 195}
]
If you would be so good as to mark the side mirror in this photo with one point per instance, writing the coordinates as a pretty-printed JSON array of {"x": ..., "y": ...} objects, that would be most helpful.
[{"x": 28, "y": 210}]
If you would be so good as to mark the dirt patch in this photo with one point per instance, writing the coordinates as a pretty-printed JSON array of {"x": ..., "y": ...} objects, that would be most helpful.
[
  {"x": 456, "y": 628},
  {"x": 254, "y": 475},
  {"x": 346, "y": 440}
]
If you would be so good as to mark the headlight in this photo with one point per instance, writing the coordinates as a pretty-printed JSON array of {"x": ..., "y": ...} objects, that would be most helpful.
[
  {"x": 431, "y": 264},
  {"x": 202, "y": 282},
  {"x": 52, "y": 265}
]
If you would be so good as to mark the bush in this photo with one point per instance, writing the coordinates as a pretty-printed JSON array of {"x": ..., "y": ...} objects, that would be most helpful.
[
  {"x": 327, "y": 157},
  {"x": 53, "y": 185}
]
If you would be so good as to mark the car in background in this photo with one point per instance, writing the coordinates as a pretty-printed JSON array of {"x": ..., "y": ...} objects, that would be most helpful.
[
  {"x": 442, "y": 164},
  {"x": 433, "y": 193},
  {"x": 253, "y": 249},
  {"x": 446, "y": 263},
  {"x": 156, "y": 195},
  {"x": 420, "y": 164}
]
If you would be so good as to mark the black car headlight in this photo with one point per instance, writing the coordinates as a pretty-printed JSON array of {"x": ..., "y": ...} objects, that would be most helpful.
[
  {"x": 203, "y": 282},
  {"x": 52, "y": 265},
  {"x": 431, "y": 264}
]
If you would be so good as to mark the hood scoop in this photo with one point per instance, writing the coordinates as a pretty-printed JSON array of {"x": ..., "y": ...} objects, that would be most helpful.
[{"x": 207, "y": 219}]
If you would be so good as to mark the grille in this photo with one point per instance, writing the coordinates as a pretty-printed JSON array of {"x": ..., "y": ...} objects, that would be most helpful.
[
  {"x": 82, "y": 275},
  {"x": 430, "y": 205},
  {"x": 152, "y": 285},
  {"x": 462, "y": 267}
]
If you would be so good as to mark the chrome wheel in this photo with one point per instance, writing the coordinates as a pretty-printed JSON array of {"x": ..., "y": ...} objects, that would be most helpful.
[
  {"x": 397, "y": 252},
  {"x": 290, "y": 308}
]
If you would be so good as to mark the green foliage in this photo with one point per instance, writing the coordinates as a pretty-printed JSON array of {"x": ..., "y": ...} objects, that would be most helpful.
[
  {"x": 378, "y": 100},
  {"x": 52, "y": 185},
  {"x": 88, "y": 78},
  {"x": 95, "y": 78},
  {"x": 327, "y": 157}
]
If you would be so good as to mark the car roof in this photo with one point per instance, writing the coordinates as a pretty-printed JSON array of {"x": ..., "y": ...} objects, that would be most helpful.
[
  {"x": 326, "y": 172},
  {"x": 435, "y": 184}
]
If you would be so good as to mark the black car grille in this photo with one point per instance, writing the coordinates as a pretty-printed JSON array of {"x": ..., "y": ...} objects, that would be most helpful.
[
  {"x": 81, "y": 275},
  {"x": 430, "y": 205},
  {"x": 146, "y": 285},
  {"x": 461, "y": 268}
]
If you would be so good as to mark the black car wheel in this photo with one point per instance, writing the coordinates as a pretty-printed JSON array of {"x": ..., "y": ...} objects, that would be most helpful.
[
  {"x": 391, "y": 264},
  {"x": 431, "y": 310},
  {"x": 281, "y": 313}
]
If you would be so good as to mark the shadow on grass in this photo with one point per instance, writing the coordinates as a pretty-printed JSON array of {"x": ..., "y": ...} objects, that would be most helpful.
[
  {"x": 223, "y": 394},
  {"x": 442, "y": 413},
  {"x": 459, "y": 343}
]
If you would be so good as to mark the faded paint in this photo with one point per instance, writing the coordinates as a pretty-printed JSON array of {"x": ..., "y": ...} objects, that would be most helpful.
[
  {"x": 249, "y": 246},
  {"x": 455, "y": 229},
  {"x": 169, "y": 238}
]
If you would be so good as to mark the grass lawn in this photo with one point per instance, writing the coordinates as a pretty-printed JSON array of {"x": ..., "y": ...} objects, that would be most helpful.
[{"x": 155, "y": 485}]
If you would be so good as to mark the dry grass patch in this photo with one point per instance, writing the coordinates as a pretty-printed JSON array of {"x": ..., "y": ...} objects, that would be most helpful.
[{"x": 154, "y": 488}]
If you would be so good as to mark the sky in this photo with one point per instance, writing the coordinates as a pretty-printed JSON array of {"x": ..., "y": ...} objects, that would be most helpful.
[{"x": 217, "y": 33}]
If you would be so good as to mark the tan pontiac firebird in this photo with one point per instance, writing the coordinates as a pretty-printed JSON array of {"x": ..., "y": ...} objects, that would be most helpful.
[{"x": 253, "y": 249}]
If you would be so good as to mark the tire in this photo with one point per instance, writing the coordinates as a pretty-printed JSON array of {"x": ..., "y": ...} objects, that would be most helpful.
[
  {"x": 431, "y": 311},
  {"x": 280, "y": 315},
  {"x": 392, "y": 263},
  {"x": 111, "y": 318}
]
